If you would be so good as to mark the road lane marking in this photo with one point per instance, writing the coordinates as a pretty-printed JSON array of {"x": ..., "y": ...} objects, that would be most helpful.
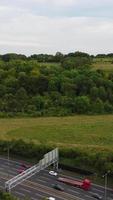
[
  {"x": 89, "y": 196},
  {"x": 19, "y": 193},
  {"x": 98, "y": 190},
  {"x": 74, "y": 191},
  {"x": 47, "y": 190},
  {"x": 1, "y": 186},
  {"x": 25, "y": 190},
  {"x": 65, "y": 175},
  {"x": 39, "y": 195},
  {"x": 2, "y": 168},
  {"x": 45, "y": 178},
  {"x": 42, "y": 181}
]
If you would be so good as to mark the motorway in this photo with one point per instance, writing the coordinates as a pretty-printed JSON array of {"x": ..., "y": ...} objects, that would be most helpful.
[{"x": 40, "y": 185}]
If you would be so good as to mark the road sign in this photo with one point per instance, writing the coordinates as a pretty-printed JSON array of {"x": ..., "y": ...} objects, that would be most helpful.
[{"x": 51, "y": 157}]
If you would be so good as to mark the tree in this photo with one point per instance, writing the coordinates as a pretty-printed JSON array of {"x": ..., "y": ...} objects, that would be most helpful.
[
  {"x": 58, "y": 57},
  {"x": 108, "y": 107},
  {"x": 42, "y": 84},
  {"x": 38, "y": 101},
  {"x": 82, "y": 104},
  {"x": 22, "y": 99},
  {"x": 76, "y": 62},
  {"x": 98, "y": 106},
  {"x": 13, "y": 56},
  {"x": 94, "y": 93},
  {"x": 3, "y": 90},
  {"x": 6, "y": 196},
  {"x": 102, "y": 93}
]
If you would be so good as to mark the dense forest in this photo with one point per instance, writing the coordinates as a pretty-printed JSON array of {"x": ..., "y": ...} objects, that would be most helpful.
[{"x": 54, "y": 85}]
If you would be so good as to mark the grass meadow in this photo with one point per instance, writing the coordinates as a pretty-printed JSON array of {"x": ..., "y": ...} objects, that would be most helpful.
[
  {"x": 105, "y": 64},
  {"x": 77, "y": 131}
]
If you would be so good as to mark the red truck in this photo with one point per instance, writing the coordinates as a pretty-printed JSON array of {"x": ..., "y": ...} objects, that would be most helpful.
[{"x": 84, "y": 184}]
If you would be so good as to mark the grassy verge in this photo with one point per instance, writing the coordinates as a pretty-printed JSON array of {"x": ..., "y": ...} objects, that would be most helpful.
[
  {"x": 85, "y": 141},
  {"x": 79, "y": 131}
]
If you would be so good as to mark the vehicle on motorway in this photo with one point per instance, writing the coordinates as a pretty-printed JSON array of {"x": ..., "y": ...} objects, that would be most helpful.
[
  {"x": 53, "y": 173},
  {"x": 58, "y": 187},
  {"x": 20, "y": 170},
  {"x": 25, "y": 165},
  {"x": 48, "y": 198},
  {"x": 84, "y": 184},
  {"x": 96, "y": 196}
]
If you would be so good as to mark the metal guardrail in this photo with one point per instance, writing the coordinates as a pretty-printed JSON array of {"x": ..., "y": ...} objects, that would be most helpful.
[{"x": 50, "y": 158}]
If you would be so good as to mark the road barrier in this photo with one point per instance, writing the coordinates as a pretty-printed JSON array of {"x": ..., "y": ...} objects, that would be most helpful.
[{"x": 50, "y": 158}]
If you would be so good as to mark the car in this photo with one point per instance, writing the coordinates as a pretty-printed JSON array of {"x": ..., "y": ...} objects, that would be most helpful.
[
  {"x": 20, "y": 170},
  {"x": 25, "y": 166},
  {"x": 50, "y": 198},
  {"x": 58, "y": 187},
  {"x": 96, "y": 196},
  {"x": 53, "y": 173}
]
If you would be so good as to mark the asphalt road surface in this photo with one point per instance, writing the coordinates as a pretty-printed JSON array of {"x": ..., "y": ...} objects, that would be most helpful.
[{"x": 40, "y": 185}]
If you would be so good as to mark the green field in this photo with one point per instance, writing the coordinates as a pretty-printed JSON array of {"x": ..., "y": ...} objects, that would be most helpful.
[
  {"x": 105, "y": 64},
  {"x": 77, "y": 131}
]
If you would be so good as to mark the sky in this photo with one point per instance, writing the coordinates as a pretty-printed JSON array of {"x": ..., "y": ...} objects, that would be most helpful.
[{"x": 50, "y": 26}]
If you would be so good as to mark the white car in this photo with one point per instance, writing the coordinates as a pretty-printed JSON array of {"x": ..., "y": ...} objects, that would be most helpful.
[
  {"x": 51, "y": 198},
  {"x": 53, "y": 173}
]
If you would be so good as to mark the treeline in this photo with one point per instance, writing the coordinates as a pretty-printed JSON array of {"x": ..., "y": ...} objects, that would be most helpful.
[
  {"x": 6, "y": 196},
  {"x": 58, "y": 57},
  {"x": 65, "y": 86},
  {"x": 91, "y": 158}
]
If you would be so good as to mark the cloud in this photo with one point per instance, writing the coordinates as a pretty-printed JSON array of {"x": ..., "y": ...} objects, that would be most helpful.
[
  {"x": 47, "y": 26},
  {"x": 53, "y": 8},
  {"x": 40, "y": 34}
]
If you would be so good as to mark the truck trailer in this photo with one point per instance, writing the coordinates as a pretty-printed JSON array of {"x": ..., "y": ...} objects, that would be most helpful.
[{"x": 84, "y": 184}]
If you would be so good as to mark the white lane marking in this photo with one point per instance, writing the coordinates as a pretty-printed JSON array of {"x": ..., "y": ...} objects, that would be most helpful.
[
  {"x": 78, "y": 198},
  {"x": 8, "y": 170},
  {"x": 18, "y": 162},
  {"x": 73, "y": 191},
  {"x": 45, "y": 178},
  {"x": 1, "y": 186},
  {"x": 94, "y": 189},
  {"x": 39, "y": 180},
  {"x": 13, "y": 161},
  {"x": 89, "y": 196},
  {"x": 14, "y": 168},
  {"x": 19, "y": 193},
  {"x": 6, "y": 166},
  {"x": 98, "y": 190},
  {"x": 39, "y": 195},
  {"x": 25, "y": 190},
  {"x": 11, "y": 171},
  {"x": 2, "y": 168}
]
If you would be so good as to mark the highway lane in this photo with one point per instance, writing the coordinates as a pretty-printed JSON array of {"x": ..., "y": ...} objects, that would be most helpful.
[
  {"x": 40, "y": 185},
  {"x": 13, "y": 167}
]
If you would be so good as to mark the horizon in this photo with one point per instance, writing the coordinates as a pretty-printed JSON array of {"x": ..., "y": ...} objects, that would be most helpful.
[
  {"x": 55, "y": 53},
  {"x": 29, "y": 26}
]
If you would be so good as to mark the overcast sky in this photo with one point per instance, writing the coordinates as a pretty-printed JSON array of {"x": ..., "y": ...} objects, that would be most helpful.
[{"x": 47, "y": 26}]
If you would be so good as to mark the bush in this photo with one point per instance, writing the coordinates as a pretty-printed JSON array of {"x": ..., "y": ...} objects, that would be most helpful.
[{"x": 88, "y": 158}]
